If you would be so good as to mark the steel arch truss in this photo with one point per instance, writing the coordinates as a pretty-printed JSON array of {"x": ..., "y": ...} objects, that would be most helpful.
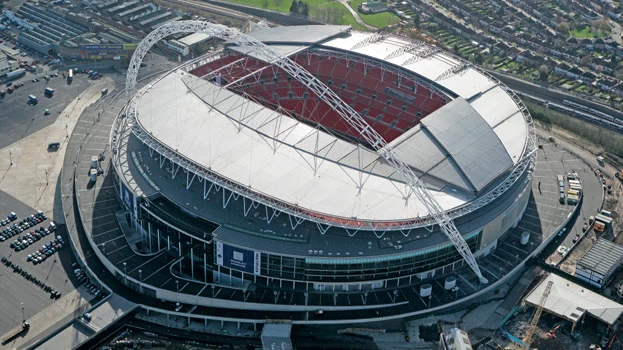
[{"x": 347, "y": 113}]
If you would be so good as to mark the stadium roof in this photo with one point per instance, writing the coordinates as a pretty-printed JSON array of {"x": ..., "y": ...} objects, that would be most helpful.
[
  {"x": 603, "y": 257},
  {"x": 457, "y": 151},
  {"x": 570, "y": 301},
  {"x": 488, "y": 98},
  {"x": 311, "y": 34}
]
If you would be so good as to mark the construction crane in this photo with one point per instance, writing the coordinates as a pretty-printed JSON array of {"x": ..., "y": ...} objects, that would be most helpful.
[{"x": 537, "y": 314}]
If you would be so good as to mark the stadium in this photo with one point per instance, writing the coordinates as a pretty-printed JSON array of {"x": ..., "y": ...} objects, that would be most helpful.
[{"x": 319, "y": 174}]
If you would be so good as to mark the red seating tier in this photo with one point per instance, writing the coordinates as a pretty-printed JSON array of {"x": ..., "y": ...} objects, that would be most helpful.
[{"x": 353, "y": 81}]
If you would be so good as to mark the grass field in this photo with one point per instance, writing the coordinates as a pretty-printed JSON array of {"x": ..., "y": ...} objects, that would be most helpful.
[
  {"x": 378, "y": 20},
  {"x": 275, "y": 5},
  {"x": 326, "y": 11},
  {"x": 334, "y": 13}
]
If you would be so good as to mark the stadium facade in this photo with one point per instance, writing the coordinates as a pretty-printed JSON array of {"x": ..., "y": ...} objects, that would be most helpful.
[{"x": 251, "y": 180}]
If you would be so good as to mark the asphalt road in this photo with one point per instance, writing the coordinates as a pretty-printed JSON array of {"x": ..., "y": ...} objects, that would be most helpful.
[
  {"x": 56, "y": 271},
  {"x": 19, "y": 119}
]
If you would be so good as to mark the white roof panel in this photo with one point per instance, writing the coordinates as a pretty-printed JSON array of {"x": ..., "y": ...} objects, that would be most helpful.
[
  {"x": 570, "y": 301},
  {"x": 184, "y": 122},
  {"x": 467, "y": 83}
]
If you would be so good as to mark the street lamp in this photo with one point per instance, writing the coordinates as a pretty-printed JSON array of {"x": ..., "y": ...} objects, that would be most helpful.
[
  {"x": 11, "y": 157},
  {"x": 140, "y": 279},
  {"x": 23, "y": 317},
  {"x": 104, "y": 249}
]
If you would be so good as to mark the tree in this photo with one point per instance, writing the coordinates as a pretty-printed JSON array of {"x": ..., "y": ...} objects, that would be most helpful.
[
  {"x": 416, "y": 21},
  {"x": 304, "y": 9},
  {"x": 478, "y": 59},
  {"x": 563, "y": 28},
  {"x": 543, "y": 72},
  {"x": 500, "y": 12},
  {"x": 586, "y": 60},
  {"x": 455, "y": 48},
  {"x": 294, "y": 7}
]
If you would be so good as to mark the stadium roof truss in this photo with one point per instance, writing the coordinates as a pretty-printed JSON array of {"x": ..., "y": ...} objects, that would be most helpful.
[{"x": 367, "y": 133}]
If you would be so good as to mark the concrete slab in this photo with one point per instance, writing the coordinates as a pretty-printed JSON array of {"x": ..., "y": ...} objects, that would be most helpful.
[
  {"x": 28, "y": 171},
  {"x": 49, "y": 319}
]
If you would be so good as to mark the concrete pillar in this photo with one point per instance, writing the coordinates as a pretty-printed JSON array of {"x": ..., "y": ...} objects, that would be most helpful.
[
  {"x": 149, "y": 234},
  {"x": 192, "y": 264},
  {"x": 205, "y": 271},
  {"x": 158, "y": 233}
]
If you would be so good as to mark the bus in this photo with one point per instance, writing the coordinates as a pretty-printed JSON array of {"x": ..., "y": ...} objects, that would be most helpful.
[{"x": 70, "y": 76}]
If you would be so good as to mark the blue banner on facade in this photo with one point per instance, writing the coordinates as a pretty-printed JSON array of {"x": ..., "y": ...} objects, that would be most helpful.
[{"x": 238, "y": 258}]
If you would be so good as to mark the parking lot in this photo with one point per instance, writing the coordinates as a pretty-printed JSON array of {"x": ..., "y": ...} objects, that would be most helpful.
[
  {"x": 56, "y": 271},
  {"x": 20, "y": 118}
]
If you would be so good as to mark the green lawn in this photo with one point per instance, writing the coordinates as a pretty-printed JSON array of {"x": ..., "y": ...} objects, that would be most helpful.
[
  {"x": 378, "y": 20},
  {"x": 587, "y": 32},
  {"x": 334, "y": 13},
  {"x": 277, "y": 5},
  {"x": 326, "y": 11}
]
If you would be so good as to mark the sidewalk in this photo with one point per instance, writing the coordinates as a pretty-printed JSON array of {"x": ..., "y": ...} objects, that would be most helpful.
[{"x": 49, "y": 319}]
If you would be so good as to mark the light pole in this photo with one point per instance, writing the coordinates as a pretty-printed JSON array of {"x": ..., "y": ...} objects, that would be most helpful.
[
  {"x": 104, "y": 249},
  {"x": 177, "y": 289},
  {"x": 140, "y": 279},
  {"x": 11, "y": 157},
  {"x": 23, "y": 317}
]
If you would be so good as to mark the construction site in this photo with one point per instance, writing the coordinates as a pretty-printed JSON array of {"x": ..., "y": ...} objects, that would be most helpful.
[{"x": 577, "y": 305}]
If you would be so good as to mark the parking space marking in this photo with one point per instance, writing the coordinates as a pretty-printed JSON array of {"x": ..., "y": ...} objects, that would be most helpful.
[
  {"x": 165, "y": 282},
  {"x": 539, "y": 218},
  {"x": 546, "y": 205},
  {"x": 122, "y": 247},
  {"x": 181, "y": 289},
  {"x": 99, "y": 217},
  {"x": 113, "y": 239},
  {"x": 160, "y": 269},
  {"x": 96, "y": 226},
  {"x": 157, "y": 256}
]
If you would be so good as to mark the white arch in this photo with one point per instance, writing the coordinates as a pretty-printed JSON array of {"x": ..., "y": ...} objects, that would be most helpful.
[{"x": 366, "y": 132}]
